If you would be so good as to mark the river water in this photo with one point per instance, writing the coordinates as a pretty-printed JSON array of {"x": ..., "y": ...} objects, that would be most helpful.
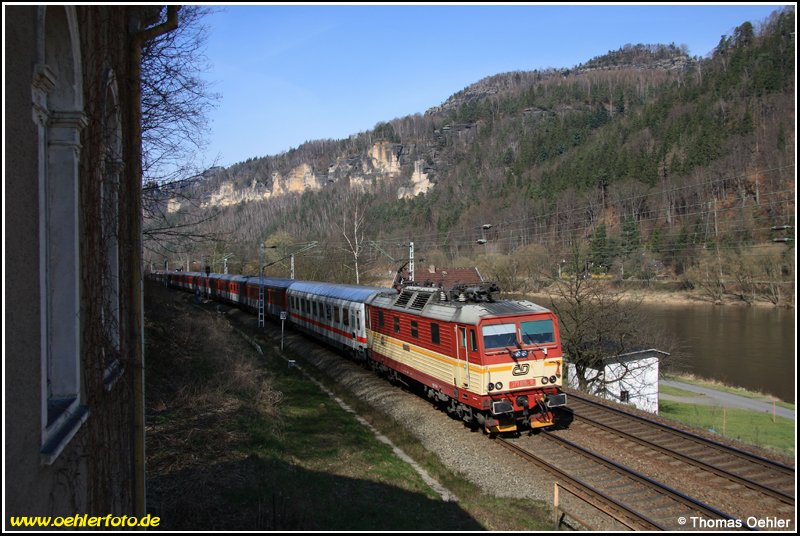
[{"x": 750, "y": 347}]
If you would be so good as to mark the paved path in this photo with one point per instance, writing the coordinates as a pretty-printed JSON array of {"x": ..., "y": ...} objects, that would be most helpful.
[{"x": 720, "y": 398}]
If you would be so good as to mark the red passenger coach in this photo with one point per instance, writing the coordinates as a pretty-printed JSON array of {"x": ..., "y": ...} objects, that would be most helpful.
[
  {"x": 275, "y": 300},
  {"x": 498, "y": 364}
]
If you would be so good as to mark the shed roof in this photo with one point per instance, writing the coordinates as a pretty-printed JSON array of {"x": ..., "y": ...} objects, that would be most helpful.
[{"x": 447, "y": 278}]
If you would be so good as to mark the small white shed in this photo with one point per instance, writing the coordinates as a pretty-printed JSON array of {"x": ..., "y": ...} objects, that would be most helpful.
[{"x": 630, "y": 378}]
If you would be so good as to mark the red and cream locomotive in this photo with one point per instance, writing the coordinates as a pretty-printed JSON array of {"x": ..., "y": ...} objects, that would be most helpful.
[{"x": 494, "y": 363}]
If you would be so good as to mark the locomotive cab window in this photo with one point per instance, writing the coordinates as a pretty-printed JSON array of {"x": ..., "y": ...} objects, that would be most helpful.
[
  {"x": 537, "y": 332},
  {"x": 499, "y": 336}
]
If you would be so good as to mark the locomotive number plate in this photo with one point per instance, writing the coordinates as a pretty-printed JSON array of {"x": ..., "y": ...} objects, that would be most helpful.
[{"x": 521, "y": 383}]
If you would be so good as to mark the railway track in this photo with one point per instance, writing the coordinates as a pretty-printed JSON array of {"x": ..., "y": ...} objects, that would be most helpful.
[
  {"x": 766, "y": 477},
  {"x": 636, "y": 501}
]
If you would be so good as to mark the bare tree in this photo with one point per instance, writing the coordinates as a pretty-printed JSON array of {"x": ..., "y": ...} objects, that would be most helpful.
[
  {"x": 598, "y": 322},
  {"x": 352, "y": 229},
  {"x": 176, "y": 101}
]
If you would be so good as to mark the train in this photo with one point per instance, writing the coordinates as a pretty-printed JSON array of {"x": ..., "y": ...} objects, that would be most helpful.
[{"x": 495, "y": 364}]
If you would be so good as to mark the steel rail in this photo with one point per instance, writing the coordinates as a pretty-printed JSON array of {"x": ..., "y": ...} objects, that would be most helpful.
[
  {"x": 789, "y": 471},
  {"x": 596, "y": 498},
  {"x": 783, "y": 497},
  {"x": 663, "y": 489}
]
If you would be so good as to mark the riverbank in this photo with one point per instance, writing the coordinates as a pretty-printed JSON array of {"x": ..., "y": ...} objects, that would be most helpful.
[{"x": 667, "y": 294}]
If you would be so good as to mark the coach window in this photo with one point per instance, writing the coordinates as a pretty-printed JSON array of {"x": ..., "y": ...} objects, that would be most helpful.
[
  {"x": 345, "y": 316},
  {"x": 414, "y": 329},
  {"x": 336, "y": 314},
  {"x": 380, "y": 319},
  {"x": 397, "y": 324},
  {"x": 434, "y": 333},
  {"x": 328, "y": 314}
]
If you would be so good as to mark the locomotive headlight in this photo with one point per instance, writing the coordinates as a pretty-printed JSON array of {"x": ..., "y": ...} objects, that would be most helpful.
[
  {"x": 552, "y": 379},
  {"x": 545, "y": 381},
  {"x": 490, "y": 387},
  {"x": 498, "y": 385}
]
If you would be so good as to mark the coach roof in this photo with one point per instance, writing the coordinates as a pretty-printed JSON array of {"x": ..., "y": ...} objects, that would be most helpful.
[
  {"x": 273, "y": 282},
  {"x": 341, "y": 292}
]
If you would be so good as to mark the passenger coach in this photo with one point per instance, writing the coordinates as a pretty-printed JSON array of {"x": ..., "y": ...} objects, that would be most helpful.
[{"x": 332, "y": 312}]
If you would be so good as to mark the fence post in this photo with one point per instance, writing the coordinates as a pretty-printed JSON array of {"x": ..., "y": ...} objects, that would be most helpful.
[{"x": 555, "y": 506}]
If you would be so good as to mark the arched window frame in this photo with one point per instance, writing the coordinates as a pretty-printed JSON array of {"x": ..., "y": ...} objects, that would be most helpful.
[{"x": 57, "y": 98}]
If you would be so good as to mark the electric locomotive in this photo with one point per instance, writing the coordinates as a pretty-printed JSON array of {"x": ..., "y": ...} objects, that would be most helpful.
[{"x": 497, "y": 364}]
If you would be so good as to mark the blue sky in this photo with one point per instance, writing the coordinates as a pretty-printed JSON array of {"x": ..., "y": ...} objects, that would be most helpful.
[{"x": 290, "y": 73}]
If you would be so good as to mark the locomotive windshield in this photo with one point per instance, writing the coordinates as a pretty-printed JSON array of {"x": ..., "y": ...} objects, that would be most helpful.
[
  {"x": 537, "y": 332},
  {"x": 499, "y": 336}
]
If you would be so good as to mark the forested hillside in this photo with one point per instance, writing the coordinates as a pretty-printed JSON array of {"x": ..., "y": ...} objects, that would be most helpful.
[{"x": 647, "y": 162}]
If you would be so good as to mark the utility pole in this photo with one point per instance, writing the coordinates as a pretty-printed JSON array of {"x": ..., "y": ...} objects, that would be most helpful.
[
  {"x": 307, "y": 247},
  {"x": 411, "y": 261},
  {"x": 260, "y": 285}
]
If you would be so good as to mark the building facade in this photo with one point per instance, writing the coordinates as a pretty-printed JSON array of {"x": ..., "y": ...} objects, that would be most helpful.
[{"x": 74, "y": 427}]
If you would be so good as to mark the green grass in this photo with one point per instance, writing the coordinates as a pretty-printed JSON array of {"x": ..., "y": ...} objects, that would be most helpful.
[
  {"x": 674, "y": 391},
  {"x": 747, "y": 426},
  {"x": 493, "y": 513}
]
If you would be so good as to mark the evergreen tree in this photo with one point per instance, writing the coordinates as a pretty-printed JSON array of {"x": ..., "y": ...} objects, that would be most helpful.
[{"x": 601, "y": 255}]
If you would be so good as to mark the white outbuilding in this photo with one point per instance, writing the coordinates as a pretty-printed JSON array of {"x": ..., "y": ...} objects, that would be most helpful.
[{"x": 630, "y": 378}]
